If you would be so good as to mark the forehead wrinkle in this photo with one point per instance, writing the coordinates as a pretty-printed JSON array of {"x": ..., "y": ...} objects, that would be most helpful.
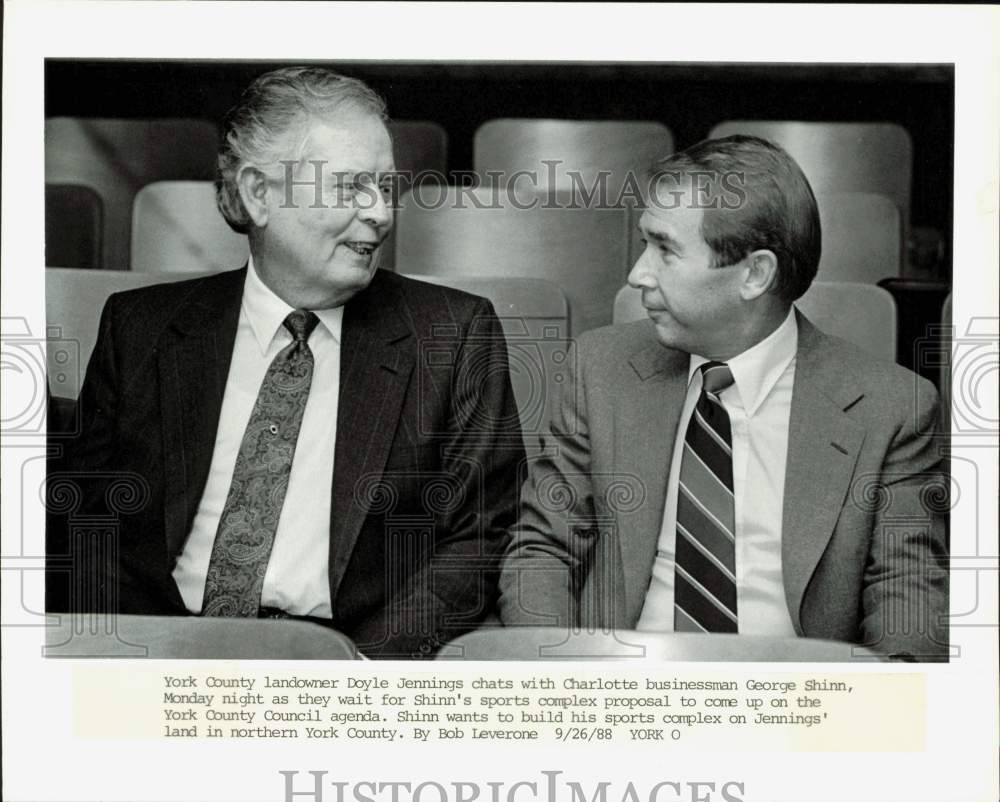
[{"x": 348, "y": 167}]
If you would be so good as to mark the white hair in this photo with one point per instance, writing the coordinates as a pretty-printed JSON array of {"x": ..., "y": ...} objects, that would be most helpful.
[{"x": 274, "y": 106}]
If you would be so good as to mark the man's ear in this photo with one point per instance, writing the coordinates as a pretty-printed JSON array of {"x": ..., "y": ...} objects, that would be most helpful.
[
  {"x": 761, "y": 273},
  {"x": 252, "y": 184}
]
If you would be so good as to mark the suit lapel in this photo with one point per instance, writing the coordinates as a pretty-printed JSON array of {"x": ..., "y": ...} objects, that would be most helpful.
[
  {"x": 823, "y": 448},
  {"x": 646, "y": 420},
  {"x": 193, "y": 360},
  {"x": 376, "y": 363}
]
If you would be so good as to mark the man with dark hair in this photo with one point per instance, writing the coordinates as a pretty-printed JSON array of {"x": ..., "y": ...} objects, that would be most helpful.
[
  {"x": 774, "y": 478},
  {"x": 320, "y": 439}
]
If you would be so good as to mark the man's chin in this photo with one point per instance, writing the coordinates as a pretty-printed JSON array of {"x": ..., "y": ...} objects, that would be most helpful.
[
  {"x": 668, "y": 336},
  {"x": 351, "y": 281},
  {"x": 358, "y": 271}
]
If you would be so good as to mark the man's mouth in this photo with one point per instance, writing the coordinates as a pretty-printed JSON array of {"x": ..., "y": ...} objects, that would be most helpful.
[{"x": 362, "y": 248}]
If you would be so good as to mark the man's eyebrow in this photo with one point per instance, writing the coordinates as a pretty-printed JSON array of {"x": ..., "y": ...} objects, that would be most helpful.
[
  {"x": 349, "y": 176},
  {"x": 658, "y": 236},
  {"x": 375, "y": 175}
]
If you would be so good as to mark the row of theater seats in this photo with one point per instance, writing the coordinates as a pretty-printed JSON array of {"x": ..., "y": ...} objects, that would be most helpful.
[
  {"x": 115, "y": 159},
  {"x": 195, "y": 638},
  {"x": 449, "y": 231},
  {"x": 535, "y": 315}
]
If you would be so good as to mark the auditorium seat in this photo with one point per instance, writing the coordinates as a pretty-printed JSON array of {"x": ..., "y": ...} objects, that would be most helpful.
[
  {"x": 177, "y": 228},
  {"x": 193, "y": 638},
  {"x": 918, "y": 341},
  {"x": 117, "y": 157},
  {"x": 588, "y": 146},
  {"x": 551, "y": 643},
  {"x": 479, "y": 232},
  {"x": 73, "y": 226},
  {"x": 534, "y": 314},
  {"x": 420, "y": 149},
  {"x": 859, "y": 313},
  {"x": 73, "y": 303},
  {"x": 861, "y": 237},
  {"x": 842, "y": 157}
]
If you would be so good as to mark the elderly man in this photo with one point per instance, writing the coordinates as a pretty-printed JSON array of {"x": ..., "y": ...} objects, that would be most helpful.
[
  {"x": 724, "y": 466},
  {"x": 320, "y": 439}
]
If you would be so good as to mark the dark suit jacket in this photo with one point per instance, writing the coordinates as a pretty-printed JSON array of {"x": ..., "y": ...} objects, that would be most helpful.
[
  {"x": 425, "y": 480},
  {"x": 863, "y": 535}
]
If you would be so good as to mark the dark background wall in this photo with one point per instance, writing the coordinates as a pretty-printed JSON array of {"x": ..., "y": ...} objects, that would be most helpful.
[{"x": 688, "y": 98}]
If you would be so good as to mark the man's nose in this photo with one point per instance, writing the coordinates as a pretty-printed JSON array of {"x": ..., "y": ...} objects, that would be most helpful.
[
  {"x": 375, "y": 210},
  {"x": 641, "y": 276}
]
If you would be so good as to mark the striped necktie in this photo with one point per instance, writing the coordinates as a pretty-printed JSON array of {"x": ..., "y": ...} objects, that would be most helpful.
[
  {"x": 705, "y": 565},
  {"x": 249, "y": 520}
]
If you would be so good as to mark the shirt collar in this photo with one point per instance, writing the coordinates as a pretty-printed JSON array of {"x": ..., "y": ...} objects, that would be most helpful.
[
  {"x": 757, "y": 369},
  {"x": 266, "y": 312}
]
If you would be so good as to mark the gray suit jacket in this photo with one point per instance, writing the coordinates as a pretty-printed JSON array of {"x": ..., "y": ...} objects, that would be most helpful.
[{"x": 863, "y": 526}]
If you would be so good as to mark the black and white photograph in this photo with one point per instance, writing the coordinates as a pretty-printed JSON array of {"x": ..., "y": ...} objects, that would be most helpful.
[{"x": 395, "y": 488}]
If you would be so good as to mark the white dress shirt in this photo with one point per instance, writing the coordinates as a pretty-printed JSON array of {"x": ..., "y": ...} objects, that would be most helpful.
[
  {"x": 297, "y": 579},
  {"x": 758, "y": 402}
]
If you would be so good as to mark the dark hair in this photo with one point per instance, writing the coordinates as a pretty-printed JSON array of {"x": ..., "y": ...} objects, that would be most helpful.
[
  {"x": 256, "y": 130},
  {"x": 775, "y": 208}
]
